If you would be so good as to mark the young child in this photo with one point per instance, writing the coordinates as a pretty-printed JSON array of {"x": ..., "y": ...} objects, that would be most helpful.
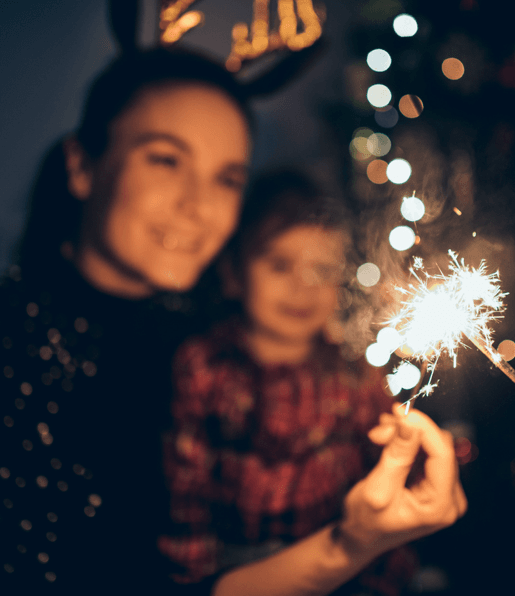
[{"x": 270, "y": 422}]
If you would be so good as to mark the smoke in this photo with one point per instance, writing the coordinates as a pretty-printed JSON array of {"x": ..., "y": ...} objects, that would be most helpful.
[{"x": 465, "y": 179}]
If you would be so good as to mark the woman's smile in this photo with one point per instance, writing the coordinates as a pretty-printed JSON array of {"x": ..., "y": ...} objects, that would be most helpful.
[
  {"x": 298, "y": 313},
  {"x": 177, "y": 240}
]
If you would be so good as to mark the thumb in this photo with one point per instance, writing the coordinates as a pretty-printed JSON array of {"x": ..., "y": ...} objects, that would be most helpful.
[{"x": 390, "y": 474}]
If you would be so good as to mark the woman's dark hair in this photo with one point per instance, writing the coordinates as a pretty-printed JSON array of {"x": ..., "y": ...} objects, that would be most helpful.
[
  {"x": 276, "y": 202},
  {"x": 114, "y": 90},
  {"x": 54, "y": 215}
]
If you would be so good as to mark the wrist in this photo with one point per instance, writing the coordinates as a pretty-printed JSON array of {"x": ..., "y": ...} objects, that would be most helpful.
[{"x": 357, "y": 549}]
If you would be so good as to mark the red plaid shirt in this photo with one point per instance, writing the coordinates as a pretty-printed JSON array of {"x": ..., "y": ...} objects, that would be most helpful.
[{"x": 262, "y": 452}]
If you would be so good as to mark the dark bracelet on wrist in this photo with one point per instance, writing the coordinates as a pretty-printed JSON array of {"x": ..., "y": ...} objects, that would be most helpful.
[{"x": 340, "y": 537}]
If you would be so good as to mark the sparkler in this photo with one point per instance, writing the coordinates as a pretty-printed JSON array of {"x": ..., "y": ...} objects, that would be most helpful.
[{"x": 440, "y": 309}]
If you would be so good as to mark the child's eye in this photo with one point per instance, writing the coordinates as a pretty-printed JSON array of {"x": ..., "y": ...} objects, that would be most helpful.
[
  {"x": 163, "y": 160},
  {"x": 280, "y": 265},
  {"x": 328, "y": 273}
]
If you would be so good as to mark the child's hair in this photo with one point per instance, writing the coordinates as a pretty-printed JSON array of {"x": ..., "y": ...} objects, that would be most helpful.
[{"x": 276, "y": 202}]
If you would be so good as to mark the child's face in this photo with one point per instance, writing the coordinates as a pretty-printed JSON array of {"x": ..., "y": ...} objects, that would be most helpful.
[{"x": 291, "y": 288}]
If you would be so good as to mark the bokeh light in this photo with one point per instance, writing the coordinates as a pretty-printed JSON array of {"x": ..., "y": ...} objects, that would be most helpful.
[
  {"x": 362, "y": 131},
  {"x": 389, "y": 337},
  {"x": 379, "y": 60},
  {"x": 507, "y": 349},
  {"x": 358, "y": 146},
  {"x": 465, "y": 450},
  {"x": 408, "y": 375},
  {"x": 176, "y": 28},
  {"x": 405, "y": 25},
  {"x": 379, "y": 95},
  {"x": 386, "y": 117},
  {"x": 412, "y": 208},
  {"x": 378, "y": 144},
  {"x": 402, "y": 238},
  {"x": 462, "y": 446},
  {"x": 411, "y": 106},
  {"x": 377, "y": 355},
  {"x": 394, "y": 384},
  {"x": 453, "y": 68},
  {"x": 376, "y": 171},
  {"x": 398, "y": 171},
  {"x": 368, "y": 274}
]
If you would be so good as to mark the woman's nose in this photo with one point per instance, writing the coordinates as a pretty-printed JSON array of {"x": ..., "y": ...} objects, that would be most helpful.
[{"x": 190, "y": 197}]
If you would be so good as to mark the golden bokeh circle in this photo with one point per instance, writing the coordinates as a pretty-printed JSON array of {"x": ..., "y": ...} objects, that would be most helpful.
[
  {"x": 453, "y": 68},
  {"x": 411, "y": 106},
  {"x": 507, "y": 349},
  {"x": 376, "y": 171}
]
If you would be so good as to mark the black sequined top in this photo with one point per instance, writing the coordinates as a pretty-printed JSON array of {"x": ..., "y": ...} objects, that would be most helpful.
[{"x": 84, "y": 394}]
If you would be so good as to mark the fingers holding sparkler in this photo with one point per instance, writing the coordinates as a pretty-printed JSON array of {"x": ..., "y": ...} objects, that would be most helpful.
[
  {"x": 381, "y": 511},
  {"x": 440, "y": 486},
  {"x": 438, "y": 494}
]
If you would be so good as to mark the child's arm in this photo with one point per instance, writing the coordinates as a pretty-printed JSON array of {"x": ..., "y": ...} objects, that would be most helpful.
[{"x": 380, "y": 514}]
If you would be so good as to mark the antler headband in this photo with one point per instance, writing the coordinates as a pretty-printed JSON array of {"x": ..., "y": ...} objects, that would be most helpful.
[{"x": 299, "y": 28}]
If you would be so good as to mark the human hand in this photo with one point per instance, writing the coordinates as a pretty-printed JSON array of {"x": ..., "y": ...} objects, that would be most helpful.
[{"x": 381, "y": 513}]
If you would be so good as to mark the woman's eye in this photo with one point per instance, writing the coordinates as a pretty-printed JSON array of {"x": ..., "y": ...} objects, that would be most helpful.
[
  {"x": 233, "y": 183},
  {"x": 163, "y": 160}
]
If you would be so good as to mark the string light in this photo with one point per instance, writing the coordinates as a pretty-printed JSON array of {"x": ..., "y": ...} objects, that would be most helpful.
[
  {"x": 507, "y": 349},
  {"x": 411, "y": 106},
  {"x": 377, "y": 355},
  {"x": 405, "y": 25},
  {"x": 368, "y": 275},
  {"x": 398, "y": 171},
  {"x": 402, "y": 238},
  {"x": 378, "y": 144},
  {"x": 408, "y": 375},
  {"x": 288, "y": 35},
  {"x": 453, "y": 68},
  {"x": 412, "y": 208},
  {"x": 390, "y": 338},
  {"x": 379, "y": 95},
  {"x": 394, "y": 384},
  {"x": 359, "y": 145},
  {"x": 386, "y": 117},
  {"x": 174, "y": 23},
  {"x": 376, "y": 171},
  {"x": 379, "y": 60}
]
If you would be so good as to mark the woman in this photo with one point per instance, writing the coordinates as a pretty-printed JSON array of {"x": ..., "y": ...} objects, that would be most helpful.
[{"x": 153, "y": 190}]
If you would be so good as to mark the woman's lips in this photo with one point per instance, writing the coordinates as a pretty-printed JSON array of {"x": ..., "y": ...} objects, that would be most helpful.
[
  {"x": 178, "y": 240},
  {"x": 299, "y": 313}
]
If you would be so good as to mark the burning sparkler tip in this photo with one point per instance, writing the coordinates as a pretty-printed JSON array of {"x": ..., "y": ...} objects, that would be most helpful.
[{"x": 444, "y": 308}]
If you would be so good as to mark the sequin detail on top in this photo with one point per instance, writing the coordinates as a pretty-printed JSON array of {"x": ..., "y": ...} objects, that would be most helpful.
[{"x": 38, "y": 476}]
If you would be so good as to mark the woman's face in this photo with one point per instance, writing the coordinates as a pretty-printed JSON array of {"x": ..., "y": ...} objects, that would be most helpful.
[{"x": 166, "y": 194}]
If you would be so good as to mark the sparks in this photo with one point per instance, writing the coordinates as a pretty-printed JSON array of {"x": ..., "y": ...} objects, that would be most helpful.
[{"x": 440, "y": 309}]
